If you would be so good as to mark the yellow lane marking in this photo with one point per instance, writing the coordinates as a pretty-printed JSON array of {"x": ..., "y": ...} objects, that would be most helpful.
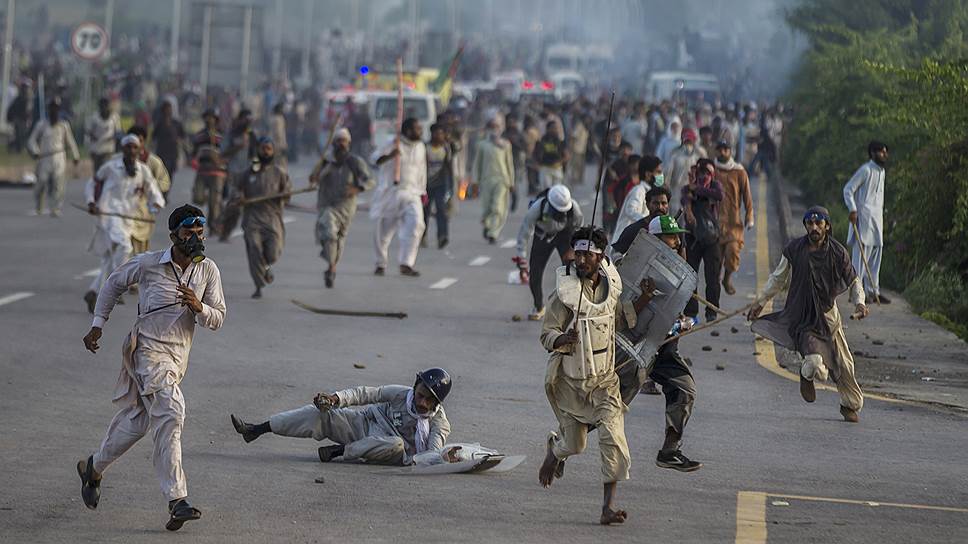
[
  {"x": 750, "y": 517},
  {"x": 751, "y": 511},
  {"x": 765, "y": 349}
]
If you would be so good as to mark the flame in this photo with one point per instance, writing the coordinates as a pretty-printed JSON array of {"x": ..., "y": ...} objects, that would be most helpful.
[{"x": 462, "y": 189}]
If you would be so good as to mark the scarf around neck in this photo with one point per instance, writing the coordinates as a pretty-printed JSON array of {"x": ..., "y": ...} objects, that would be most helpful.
[{"x": 422, "y": 433}]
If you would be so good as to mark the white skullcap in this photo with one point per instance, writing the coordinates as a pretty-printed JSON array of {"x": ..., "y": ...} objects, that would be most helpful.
[
  {"x": 131, "y": 139},
  {"x": 343, "y": 134}
]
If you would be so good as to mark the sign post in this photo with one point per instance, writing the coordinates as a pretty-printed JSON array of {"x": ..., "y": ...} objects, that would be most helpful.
[{"x": 90, "y": 43}]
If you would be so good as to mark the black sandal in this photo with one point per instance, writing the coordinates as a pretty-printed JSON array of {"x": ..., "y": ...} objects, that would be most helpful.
[
  {"x": 181, "y": 512},
  {"x": 90, "y": 488}
]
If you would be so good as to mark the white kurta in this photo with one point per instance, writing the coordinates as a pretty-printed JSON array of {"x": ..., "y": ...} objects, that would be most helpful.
[
  {"x": 52, "y": 143},
  {"x": 633, "y": 209},
  {"x": 155, "y": 359},
  {"x": 120, "y": 194},
  {"x": 99, "y": 133},
  {"x": 864, "y": 194},
  {"x": 398, "y": 206}
]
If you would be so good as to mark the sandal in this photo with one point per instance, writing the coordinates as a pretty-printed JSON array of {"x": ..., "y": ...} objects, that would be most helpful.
[{"x": 181, "y": 512}]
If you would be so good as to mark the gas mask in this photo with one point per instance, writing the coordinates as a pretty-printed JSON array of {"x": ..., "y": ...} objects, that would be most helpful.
[{"x": 193, "y": 247}]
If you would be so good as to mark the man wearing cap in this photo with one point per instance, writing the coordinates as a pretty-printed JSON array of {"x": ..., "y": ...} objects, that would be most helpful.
[
  {"x": 732, "y": 222},
  {"x": 177, "y": 288},
  {"x": 385, "y": 425},
  {"x": 141, "y": 231},
  {"x": 210, "y": 165},
  {"x": 578, "y": 330},
  {"x": 265, "y": 233},
  {"x": 493, "y": 171},
  {"x": 681, "y": 160},
  {"x": 118, "y": 188},
  {"x": 340, "y": 176},
  {"x": 668, "y": 369},
  {"x": 815, "y": 269},
  {"x": 49, "y": 143},
  {"x": 548, "y": 225},
  {"x": 864, "y": 197},
  {"x": 397, "y": 203}
]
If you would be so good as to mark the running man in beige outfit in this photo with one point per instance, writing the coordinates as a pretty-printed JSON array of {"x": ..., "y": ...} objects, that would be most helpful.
[{"x": 580, "y": 381}]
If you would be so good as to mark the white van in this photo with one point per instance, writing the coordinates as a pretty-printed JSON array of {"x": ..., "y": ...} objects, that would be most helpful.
[
  {"x": 677, "y": 85},
  {"x": 383, "y": 113}
]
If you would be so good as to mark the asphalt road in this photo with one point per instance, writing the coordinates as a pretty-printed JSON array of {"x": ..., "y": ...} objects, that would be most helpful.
[{"x": 775, "y": 467}]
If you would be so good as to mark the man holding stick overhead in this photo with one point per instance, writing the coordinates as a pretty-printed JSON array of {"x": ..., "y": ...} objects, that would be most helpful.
[{"x": 816, "y": 269}]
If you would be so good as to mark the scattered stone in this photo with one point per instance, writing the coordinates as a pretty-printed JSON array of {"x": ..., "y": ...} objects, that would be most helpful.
[
  {"x": 714, "y": 333},
  {"x": 733, "y": 330},
  {"x": 720, "y": 367},
  {"x": 724, "y": 350},
  {"x": 379, "y": 355},
  {"x": 320, "y": 480},
  {"x": 902, "y": 357},
  {"x": 877, "y": 342},
  {"x": 359, "y": 365},
  {"x": 780, "y": 503},
  {"x": 757, "y": 353},
  {"x": 927, "y": 379},
  {"x": 707, "y": 348},
  {"x": 516, "y": 318}
]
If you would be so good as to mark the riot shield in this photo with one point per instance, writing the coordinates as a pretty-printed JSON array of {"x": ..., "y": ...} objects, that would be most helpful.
[{"x": 675, "y": 281}]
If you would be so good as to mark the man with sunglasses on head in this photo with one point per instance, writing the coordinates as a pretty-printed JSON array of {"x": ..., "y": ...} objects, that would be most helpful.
[
  {"x": 815, "y": 269},
  {"x": 177, "y": 288},
  {"x": 385, "y": 425}
]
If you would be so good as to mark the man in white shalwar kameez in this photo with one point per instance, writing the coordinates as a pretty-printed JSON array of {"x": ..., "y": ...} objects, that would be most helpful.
[
  {"x": 49, "y": 143},
  {"x": 864, "y": 197},
  {"x": 177, "y": 288},
  {"x": 397, "y": 206},
  {"x": 118, "y": 188}
]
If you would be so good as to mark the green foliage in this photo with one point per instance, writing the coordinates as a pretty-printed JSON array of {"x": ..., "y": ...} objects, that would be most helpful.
[{"x": 895, "y": 71}]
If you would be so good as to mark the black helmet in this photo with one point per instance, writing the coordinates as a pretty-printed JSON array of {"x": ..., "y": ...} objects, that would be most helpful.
[{"x": 437, "y": 380}]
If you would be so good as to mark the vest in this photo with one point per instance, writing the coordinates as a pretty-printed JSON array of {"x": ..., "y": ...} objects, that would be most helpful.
[{"x": 594, "y": 355}]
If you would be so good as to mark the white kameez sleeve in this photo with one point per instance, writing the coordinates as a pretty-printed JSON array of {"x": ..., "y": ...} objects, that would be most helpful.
[
  {"x": 213, "y": 302},
  {"x": 69, "y": 143},
  {"x": 778, "y": 280},
  {"x": 857, "y": 295},
  {"x": 117, "y": 283},
  {"x": 859, "y": 178}
]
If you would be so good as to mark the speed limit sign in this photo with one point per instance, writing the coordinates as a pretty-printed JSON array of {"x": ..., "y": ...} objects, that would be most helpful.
[{"x": 89, "y": 41}]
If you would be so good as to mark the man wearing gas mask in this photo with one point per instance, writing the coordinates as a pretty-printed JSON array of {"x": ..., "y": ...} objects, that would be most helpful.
[
  {"x": 340, "y": 176},
  {"x": 118, "y": 187},
  {"x": 177, "y": 288},
  {"x": 386, "y": 425},
  {"x": 265, "y": 233}
]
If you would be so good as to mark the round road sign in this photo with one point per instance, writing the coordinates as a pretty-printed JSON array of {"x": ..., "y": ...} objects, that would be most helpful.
[{"x": 89, "y": 41}]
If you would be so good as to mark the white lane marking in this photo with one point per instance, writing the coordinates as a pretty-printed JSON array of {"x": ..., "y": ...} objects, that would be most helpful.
[
  {"x": 88, "y": 274},
  {"x": 480, "y": 260},
  {"x": 507, "y": 244},
  {"x": 20, "y": 296},
  {"x": 239, "y": 232},
  {"x": 444, "y": 283}
]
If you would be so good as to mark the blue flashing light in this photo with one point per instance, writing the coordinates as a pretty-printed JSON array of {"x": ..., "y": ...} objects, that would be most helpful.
[{"x": 364, "y": 69}]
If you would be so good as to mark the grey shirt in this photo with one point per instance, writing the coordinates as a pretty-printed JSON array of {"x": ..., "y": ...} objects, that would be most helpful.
[
  {"x": 544, "y": 224},
  {"x": 336, "y": 177}
]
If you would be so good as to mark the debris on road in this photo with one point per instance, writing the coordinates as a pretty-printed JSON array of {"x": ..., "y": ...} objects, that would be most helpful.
[
  {"x": 359, "y": 365},
  {"x": 720, "y": 367},
  {"x": 707, "y": 348},
  {"x": 320, "y": 480},
  {"x": 516, "y": 318}
]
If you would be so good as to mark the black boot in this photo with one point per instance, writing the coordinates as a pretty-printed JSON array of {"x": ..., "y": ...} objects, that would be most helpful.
[
  {"x": 90, "y": 488},
  {"x": 249, "y": 431},
  {"x": 328, "y": 453},
  {"x": 181, "y": 512}
]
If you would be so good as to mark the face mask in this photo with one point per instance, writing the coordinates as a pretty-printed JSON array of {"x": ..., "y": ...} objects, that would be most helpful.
[
  {"x": 658, "y": 180},
  {"x": 193, "y": 247}
]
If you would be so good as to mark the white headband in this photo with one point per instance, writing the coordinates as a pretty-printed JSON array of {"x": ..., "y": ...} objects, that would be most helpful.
[
  {"x": 130, "y": 139},
  {"x": 587, "y": 245}
]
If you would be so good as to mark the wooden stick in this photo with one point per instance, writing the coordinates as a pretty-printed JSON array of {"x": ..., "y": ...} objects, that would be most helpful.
[
  {"x": 263, "y": 198},
  {"x": 350, "y": 313},
  {"x": 316, "y": 172},
  {"x": 708, "y": 304},
  {"x": 399, "y": 125},
  {"x": 863, "y": 258},
  {"x": 110, "y": 214}
]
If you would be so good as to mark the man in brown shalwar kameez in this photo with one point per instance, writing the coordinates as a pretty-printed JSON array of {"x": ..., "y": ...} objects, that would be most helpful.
[{"x": 816, "y": 269}]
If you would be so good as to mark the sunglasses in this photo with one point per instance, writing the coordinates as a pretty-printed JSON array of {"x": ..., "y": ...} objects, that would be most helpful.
[
  {"x": 814, "y": 218},
  {"x": 192, "y": 221}
]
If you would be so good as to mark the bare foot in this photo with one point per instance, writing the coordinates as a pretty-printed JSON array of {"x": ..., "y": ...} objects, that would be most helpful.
[
  {"x": 546, "y": 474},
  {"x": 610, "y": 516}
]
